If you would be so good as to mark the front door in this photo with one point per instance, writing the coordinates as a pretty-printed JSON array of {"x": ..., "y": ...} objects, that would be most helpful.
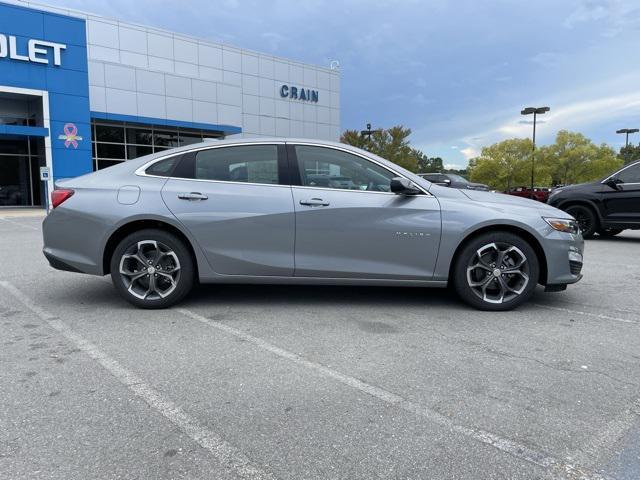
[
  {"x": 234, "y": 202},
  {"x": 623, "y": 204},
  {"x": 19, "y": 172},
  {"x": 349, "y": 225}
]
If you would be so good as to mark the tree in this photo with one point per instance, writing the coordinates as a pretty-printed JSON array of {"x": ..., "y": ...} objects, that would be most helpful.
[
  {"x": 573, "y": 158},
  {"x": 391, "y": 144},
  {"x": 630, "y": 153},
  {"x": 503, "y": 165},
  {"x": 428, "y": 164}
]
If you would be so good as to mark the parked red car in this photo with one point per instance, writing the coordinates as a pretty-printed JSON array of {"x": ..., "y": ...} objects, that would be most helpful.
[{"x": 539, "y": 193}]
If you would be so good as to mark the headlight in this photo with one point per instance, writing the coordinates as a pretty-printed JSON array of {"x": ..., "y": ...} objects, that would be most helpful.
[{"x": 566, "y": 225}]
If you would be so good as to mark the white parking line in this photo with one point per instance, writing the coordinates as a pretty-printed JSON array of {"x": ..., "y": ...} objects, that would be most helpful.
[
  {"x": 226, "y": 454},
  {"x": 505, "y": 445},
  {"x": 588, "y": 314}
]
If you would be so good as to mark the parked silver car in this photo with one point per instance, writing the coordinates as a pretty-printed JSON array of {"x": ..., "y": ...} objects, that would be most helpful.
[{"x": 249, "y": 211}]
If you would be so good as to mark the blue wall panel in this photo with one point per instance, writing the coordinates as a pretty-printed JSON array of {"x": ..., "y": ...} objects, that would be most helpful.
[{"x": 67, "y": 84}]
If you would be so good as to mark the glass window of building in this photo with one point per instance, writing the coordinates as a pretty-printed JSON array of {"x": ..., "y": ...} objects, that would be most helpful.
[{"x": 115, "y": 142}]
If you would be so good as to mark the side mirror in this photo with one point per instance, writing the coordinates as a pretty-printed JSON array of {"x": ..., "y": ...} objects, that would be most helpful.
[
  {"x": 403, "y": 186},
  {"x": 446, "y": 182},
  {"x": 614, "y": 183}
]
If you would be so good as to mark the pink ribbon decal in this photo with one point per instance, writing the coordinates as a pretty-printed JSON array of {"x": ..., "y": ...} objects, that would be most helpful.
[{"x": 70, "y": 136}]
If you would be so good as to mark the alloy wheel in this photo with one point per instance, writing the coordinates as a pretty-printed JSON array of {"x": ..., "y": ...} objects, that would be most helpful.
[
  {"x": 150, "y": 270},
  {"x": 498, "y": 272}
]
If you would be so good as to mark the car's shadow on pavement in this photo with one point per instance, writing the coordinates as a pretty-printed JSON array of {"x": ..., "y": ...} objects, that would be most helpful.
[
  {"x": 318, "y": 295},
  {"x": 102, "y": 294}
]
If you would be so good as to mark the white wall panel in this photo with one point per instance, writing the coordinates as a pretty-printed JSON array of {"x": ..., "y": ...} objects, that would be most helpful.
[
  {"x": 97, "y": 98},
  {"x": 250, "y": 64},
  {"x": 96, "y": 73},
  {"x": 162, "y": 64},
  {"x": 117, "y": 76},
  {"x": 210, "y": 56},
  {"x": 133, "y": 39},
  {"x": 121, "y": 101},
  {"x": 204, "y": 91},
  {"x": 134, "y": 59},
  {"x": 179, "y": 109},
  {"x": 251, "y": 123},
  {"x": 267, "y": 126},
  {"x": 176, "y": 86},
  {"x": 250, "y": 85},
  {"x": 231, "y": 60},
  {"x": 160, "y": 45},
  {"x": 267, "y": 67},
  {"x": 251, "y": 104},
  {"x": 267, "y": 106},
  {"x": 150, "y": 82},
  {"x": 184, "y": 68},
  {"x": 150, "y": 105},
  {"x": 102, "y": 33},
  {"x": 205, "y": 112}
]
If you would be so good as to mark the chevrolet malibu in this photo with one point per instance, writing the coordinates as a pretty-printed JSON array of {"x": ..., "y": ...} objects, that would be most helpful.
[{"x": 270, "y": 211}]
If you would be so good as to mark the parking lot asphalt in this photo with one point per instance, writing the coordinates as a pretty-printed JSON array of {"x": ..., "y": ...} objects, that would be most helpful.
[{"x": 283, "y": 382}]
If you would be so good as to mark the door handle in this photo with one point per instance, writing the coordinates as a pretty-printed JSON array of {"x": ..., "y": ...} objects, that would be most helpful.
[
  {"x": 192, "y": 196},
  {"x": 314, "y": 202}
]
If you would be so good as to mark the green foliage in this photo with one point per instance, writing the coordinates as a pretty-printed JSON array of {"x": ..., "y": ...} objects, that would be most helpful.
[
  {"x": 503, "y": 165},
  {"x": 391, "y": 144},
  {"x": 629, "y": 154},
  {"x": 427, "y": 164},
  {"x": 572, "y": 158}
]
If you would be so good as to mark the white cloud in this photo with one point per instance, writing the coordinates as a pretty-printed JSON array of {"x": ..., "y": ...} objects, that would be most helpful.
[{"x": 470, "y": 152}]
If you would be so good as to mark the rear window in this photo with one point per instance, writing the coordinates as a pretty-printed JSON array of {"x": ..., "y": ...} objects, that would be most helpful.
[{"x": 164, "y": 167}]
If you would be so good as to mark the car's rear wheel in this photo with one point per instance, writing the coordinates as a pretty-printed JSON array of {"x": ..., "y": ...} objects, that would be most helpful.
[
  {"x": 609, "y": 232},
  {"x": 496, "y": 271},
  {"x": 152, "y": 269},
  {"x": 586, "y": 218}
]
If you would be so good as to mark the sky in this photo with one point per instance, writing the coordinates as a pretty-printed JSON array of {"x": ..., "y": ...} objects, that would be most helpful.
[{"x": 456, "y": 72}]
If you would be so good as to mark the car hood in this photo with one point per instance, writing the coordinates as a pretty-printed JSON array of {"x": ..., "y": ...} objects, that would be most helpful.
[{"x": 502, "y": 201}]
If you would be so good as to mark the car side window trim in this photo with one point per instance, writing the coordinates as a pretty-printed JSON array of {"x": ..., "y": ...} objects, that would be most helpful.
[
  {"x": 186, "y": 165},
  {"x": 614, "y": 175},
  {"x": 297, "y": 177}
]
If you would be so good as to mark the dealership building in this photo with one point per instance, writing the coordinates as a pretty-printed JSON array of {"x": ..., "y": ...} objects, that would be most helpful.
[{"x": 80, "y": 92}]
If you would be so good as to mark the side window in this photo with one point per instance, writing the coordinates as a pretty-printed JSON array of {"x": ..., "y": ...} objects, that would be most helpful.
[
  {"x": 163, "y": 168},
  {"x": 250, "y": 163},
  {"x": 630, "y": 175},
  {"x": 330, "y": 168}
]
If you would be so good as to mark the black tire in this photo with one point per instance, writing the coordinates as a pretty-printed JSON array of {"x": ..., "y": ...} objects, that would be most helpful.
[
  {"x": 609, "y": 232},
  {"x": 171, "y": 282},
  {"x": 521, "y": 289},
  {"x": 587, "y": 219}
]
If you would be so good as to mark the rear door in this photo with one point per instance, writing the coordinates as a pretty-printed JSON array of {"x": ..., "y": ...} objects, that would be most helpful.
[
  {"x": 237, "y": 203},
  {"x": 349, "y": 225},
  {"x": 623, "y": 205}
]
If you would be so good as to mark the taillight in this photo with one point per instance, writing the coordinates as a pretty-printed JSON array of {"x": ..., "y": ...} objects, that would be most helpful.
[{"x": 60, "y": 195}]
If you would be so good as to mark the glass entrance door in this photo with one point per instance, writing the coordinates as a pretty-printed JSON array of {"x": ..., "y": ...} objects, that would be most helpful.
[{"x": 20, "y": 172}]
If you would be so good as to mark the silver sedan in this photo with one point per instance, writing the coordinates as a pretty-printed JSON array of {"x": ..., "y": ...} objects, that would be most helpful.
[{"x": 304, "y": 212}]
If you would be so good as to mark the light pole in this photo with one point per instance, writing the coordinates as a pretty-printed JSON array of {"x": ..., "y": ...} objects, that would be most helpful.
[
  {"x": 368, "y": 132},
  {"x": 536, "y": 111},
  {"x": 627, "y": 131}
]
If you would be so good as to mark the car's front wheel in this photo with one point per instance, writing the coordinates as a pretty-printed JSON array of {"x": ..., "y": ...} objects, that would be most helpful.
[
  {"x": 496, "y": 271},
  {"x": 152, "y": 269},
  {"x": 586, "y": 218}
]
